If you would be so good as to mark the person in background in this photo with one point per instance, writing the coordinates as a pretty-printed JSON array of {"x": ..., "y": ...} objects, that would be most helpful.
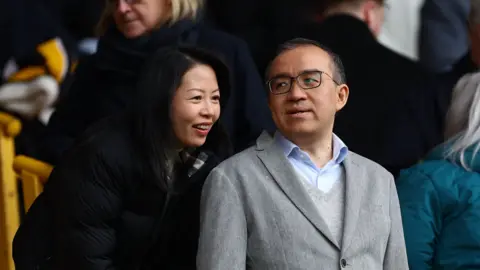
[
  {"x": 393, "y": 116},
  {"x": 301, "y": 200},
  {"x": 444, "y": 48},
  {"x": 260, "y": 22},
  {"x": 131, "y": 30},
  {"x": 440, "y": 197},
  {"x": 401, "y": 27},
  {"x": 443, "y": 38},
  {"x": 127, "y": 195}
]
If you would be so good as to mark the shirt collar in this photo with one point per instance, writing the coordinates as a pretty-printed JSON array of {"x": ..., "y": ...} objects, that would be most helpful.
[{"x": 340, "y": 150}]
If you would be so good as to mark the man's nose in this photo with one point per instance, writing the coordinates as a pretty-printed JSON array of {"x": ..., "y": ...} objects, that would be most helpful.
[
  {"x": 123, "y": 6},
  {"x": 296, "y": 92}
]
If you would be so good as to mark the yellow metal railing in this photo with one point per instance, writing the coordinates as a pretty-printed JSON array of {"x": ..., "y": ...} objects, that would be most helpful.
[
  {"x": 33, "y": 174},
  {"x": 9, "y": 204}
]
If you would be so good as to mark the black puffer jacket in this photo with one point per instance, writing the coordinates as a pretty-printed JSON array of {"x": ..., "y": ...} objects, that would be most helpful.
[{"x": 100, "y": 209}]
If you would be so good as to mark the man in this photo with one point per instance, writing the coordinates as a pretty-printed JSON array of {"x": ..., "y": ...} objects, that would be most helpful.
[
  {"x": 301, "y": 200},
  {"x": 394, "y": 115}
]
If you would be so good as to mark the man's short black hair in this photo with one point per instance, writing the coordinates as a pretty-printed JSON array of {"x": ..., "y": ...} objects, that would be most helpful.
[{"x": 338, "y": 68}]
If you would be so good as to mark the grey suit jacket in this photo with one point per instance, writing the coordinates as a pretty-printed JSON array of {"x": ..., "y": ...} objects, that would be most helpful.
[{"x": 256, "y": 214}]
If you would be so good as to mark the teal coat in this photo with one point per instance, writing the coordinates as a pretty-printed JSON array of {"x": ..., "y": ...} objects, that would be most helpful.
[{"x": 440, "y": 204}]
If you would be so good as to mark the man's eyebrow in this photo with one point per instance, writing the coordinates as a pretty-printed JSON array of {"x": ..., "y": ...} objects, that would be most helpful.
[
  {"x": 284, "y": 74},
  {"x": 310, "y": 70},
  {"x": 279, "y": 75}
]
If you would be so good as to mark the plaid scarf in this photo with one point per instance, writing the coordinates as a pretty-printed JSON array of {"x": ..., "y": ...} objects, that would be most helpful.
[{"x": 193, "y": 159}]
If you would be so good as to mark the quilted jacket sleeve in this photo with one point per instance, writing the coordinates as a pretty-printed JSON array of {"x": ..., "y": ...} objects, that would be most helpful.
[
  {"x": 421, "y": 215},
  {"x": 85, "y": 195}
]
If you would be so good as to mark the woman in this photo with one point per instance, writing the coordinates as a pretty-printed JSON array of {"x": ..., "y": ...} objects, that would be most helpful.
[
  {"x": 133, "y": 29},
  {"x": 127, "y": 195},
  {"x": 440, "y": 198}
]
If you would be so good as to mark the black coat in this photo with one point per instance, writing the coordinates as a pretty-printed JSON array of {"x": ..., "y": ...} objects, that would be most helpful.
[
  {"x": 105, "y": 83},
  {"x": 393, "y": 115},
  {"x": 100, "y": 207},
  {"x": 259, "y": 22}
]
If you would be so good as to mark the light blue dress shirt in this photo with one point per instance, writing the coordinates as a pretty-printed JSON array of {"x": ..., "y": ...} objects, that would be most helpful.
[{"x": 322, "y": 178}]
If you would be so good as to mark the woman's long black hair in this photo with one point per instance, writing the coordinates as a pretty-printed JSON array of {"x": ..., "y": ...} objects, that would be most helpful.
[{"x": 150, "y": 114}]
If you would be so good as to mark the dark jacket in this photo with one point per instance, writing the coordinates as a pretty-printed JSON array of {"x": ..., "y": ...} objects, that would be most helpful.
[
  {"x": 443, "y": 35},
  {"x": 259, "y": 22},
  {"x": 101, "y": 207},
  {"x": 104, "y": 85},
  {"x": 392, "y": 114}
]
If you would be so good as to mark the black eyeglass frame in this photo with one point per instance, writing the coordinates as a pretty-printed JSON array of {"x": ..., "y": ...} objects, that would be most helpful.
[{"x": 295, "y": 79}]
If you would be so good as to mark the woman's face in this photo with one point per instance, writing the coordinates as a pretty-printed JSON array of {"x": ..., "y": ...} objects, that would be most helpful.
[
  {"x": 195, "y": 106},
  {"x": 136, "y": 17}
]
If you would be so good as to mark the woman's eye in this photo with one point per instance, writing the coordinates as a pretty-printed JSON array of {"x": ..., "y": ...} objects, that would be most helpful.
[
  {"x": 197, "y": 98},
  {"x": 216, "y": 98}
]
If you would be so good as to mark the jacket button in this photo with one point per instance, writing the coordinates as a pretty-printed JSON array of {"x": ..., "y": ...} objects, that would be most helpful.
[{"x": 343, "y": 263}]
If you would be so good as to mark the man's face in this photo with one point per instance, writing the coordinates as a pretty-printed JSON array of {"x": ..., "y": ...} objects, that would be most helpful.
[
  {"x": 304, "y": 112},
  {"x": 374, "y": 16}
]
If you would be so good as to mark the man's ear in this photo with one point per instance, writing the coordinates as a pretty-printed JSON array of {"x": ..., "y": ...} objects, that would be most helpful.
[
  {"x": 342, "y": 96},
  {"x": 373, "y": 16}
]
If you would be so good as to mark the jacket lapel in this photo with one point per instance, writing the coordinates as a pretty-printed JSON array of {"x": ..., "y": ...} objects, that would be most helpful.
[
  {"x": 354, "y": 175},
  {"x": 283, "y": 173}
]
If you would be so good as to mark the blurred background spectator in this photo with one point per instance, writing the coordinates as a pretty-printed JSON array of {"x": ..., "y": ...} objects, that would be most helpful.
[
  {"x": 401, "y": 28},
  {"x": 39, "y": 50}
]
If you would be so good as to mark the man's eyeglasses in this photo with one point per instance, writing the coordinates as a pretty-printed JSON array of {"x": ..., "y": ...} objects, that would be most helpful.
[{"x": 306, "y": 80}]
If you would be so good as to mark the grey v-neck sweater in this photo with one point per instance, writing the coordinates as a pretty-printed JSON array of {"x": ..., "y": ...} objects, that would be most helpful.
[{"x": 330, "y": 205}]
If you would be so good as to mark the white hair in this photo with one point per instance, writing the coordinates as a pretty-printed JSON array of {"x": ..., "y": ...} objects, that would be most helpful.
[{"x": 463, "y": 118}]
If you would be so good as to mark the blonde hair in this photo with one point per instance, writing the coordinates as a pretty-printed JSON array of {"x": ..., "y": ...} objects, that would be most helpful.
[
  {"x": 463, "y": 119},
  {"x": 181, "y": 9}
]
